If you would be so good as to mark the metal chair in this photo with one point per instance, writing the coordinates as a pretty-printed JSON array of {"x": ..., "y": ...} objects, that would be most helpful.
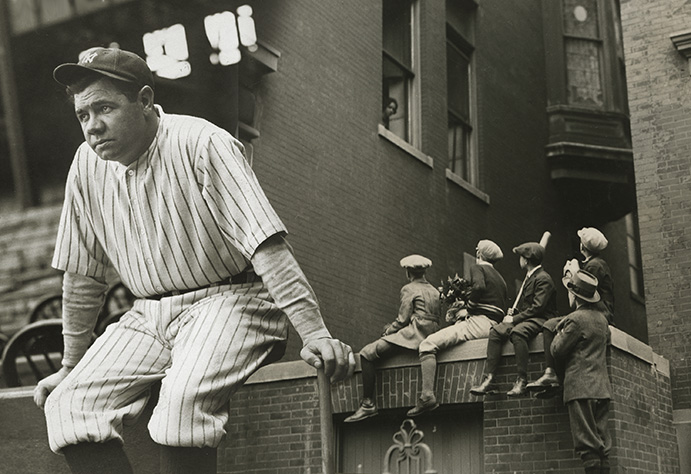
[
  {"x": 39, "y": 346},
  {"x": 48, "y": 308}
]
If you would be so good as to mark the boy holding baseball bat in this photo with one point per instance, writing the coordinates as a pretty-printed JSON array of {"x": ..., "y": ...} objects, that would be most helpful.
[{"x": 536, "y": 303}]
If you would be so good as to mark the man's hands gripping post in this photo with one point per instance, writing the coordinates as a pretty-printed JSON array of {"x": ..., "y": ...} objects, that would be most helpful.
[{"x": 335, "y": 357}]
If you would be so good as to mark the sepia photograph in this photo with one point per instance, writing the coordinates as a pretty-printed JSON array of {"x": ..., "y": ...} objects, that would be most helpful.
[{"x": 345, "y": 237}]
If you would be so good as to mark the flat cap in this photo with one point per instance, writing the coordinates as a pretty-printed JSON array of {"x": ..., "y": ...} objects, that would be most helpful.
[
  {"x": 416, "y": 261},
  {"x": 489, "y": 251},
  {"x": 530, "y": 250},
  {"x": 592, "y": 239}
]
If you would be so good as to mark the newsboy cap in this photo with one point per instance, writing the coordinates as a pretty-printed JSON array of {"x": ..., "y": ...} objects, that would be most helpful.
[
  {"x": 109, "y": 62},
  {"x": 489, "y": 251},
  {"x": 416, "y": 261},
  {"x": 583, "y": 285},
  {"x": 592, "y": 239},
  {"x": 530, "y": 250}
]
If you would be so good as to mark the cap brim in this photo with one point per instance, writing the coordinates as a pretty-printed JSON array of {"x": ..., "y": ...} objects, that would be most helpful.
[{"x": 67, "y": 74}]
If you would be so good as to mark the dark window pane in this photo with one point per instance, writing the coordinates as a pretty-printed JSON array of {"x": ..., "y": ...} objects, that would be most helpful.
[
  {"x": 458, "y": 82},
  {"x": 397, "y": 30}
]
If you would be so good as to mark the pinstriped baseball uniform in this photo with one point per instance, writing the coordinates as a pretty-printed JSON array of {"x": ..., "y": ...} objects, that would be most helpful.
[{"x": 188, "y": 213}]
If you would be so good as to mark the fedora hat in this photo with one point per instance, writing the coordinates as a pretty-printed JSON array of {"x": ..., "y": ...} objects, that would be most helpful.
[{"x": 583, "y": 285}]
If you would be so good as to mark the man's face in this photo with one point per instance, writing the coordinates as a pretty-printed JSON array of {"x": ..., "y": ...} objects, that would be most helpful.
[
  {"x": 114, "y": 127},
  {"x": 523, "y": 262}
]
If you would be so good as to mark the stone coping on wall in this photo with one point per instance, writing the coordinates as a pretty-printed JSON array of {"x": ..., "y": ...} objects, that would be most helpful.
[{"x": 470, "y": 350}]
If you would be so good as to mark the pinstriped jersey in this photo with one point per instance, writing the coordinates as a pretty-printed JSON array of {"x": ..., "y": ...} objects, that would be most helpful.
[{"x": 189, "y": 212}]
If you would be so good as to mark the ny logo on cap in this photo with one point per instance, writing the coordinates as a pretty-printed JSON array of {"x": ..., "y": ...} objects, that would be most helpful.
[{"x": 88, "y": 57}]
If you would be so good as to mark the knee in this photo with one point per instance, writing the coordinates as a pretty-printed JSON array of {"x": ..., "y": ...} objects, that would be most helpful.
[
  {"x": 518, "y": 340},
  {"x": 427, "y": 347}
]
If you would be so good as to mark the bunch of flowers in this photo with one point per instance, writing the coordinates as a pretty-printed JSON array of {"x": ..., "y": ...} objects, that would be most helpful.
[{"x": 454, "y": 289}]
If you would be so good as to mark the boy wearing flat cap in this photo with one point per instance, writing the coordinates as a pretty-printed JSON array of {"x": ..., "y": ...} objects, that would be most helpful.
[
  {"x": 418, "y": 317},
  {"x": 536, "y": 302},
  {"x": 580, "y": 346},
  {"x": 592, "y": 242},
  {"x": 486, "y": 307}
]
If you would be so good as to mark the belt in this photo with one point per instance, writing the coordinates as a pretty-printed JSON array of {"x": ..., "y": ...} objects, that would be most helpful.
[{"x": 246, "y": 276}]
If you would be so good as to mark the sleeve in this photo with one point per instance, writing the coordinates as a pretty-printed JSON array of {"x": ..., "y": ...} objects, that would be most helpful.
[
  {"x": 288, "y": 286},
  {"x": 543, "y": 291},
  {"x": 77, "y": 250},
  {"x": 478, "y": 284},
  {"x": 82, "y": 298},
  {"x": 234, "y": 196},
  {"x": 565, "y": 340},
  {"x": 407, "y": 307}
]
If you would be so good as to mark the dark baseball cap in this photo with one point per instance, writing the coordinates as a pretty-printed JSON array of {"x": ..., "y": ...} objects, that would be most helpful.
[{"x": 110, "y": 62}]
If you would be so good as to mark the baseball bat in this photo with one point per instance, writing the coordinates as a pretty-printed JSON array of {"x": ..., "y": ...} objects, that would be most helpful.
[
  {"x": 327, "y": 430},
  {"x": 544, "y": 240}
]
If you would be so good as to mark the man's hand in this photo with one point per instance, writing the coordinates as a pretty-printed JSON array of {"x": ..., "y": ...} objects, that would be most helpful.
[
  {"x": 335, "y": 357},
  {"x": 507, "y": 319},
  {"x": 48, "y": 384}
]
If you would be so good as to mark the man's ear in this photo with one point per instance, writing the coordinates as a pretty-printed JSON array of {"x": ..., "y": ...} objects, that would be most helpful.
[{"x": 146, "y": 97}]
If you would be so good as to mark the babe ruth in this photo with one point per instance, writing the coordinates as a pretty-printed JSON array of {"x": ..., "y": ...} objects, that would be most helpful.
[{"x": 170, "y": 202}]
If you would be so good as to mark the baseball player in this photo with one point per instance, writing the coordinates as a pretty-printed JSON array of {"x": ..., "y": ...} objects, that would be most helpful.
[
  {"x": 170, "y": 202},
  {"x": 418, "y": 317}
]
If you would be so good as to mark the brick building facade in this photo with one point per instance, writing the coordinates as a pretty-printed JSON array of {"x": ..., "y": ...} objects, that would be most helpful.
[{"x": 659, "y": 82}]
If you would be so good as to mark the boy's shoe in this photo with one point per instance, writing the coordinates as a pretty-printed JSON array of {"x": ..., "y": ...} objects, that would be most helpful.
[
  {"x": 485, "y": 388},
  {"x": 424, "y": 404},
  {"x": 548, "y": 380},
  {"x": 366, "y": 410},
  {"x": 518, "y": 388}
]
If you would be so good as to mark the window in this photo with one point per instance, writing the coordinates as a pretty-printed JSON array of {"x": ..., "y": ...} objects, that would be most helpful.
[
  {"x": 399, "y": 94},
  {"x": 634, "y": 252},
  {"x": 460, "y": 88},
  {"x": 584, "y": 46}
]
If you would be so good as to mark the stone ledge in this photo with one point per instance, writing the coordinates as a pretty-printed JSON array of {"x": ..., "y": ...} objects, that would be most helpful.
[{"x": 471, "y": 350}]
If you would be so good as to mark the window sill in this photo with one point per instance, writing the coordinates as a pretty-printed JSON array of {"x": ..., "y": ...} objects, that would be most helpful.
[
  {"x": 451, "y": 176},
  {"x": 405, "y": 146}
]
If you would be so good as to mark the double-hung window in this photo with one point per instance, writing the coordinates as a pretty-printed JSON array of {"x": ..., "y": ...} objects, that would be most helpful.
[
  {"x": 460, "y": 90},
  {"x": 399, "y": 88}
]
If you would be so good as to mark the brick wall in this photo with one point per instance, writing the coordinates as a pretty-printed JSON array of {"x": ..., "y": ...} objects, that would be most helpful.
[
  {"x": 275, "y": 428},
  {"x": 659, "y": 88},
  {"x": 524, "y": 435}
]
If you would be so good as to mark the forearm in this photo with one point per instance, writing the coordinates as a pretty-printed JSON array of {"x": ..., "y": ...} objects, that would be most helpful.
[
  {"x": 288, "y": 286},
  {"x": 82, "y": 299}
]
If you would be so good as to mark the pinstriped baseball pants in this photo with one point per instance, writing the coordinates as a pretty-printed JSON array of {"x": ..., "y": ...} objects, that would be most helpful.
[{"x": 201, "y": 345}]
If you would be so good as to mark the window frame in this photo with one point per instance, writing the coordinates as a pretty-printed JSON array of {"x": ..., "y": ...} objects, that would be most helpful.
[
  {"x": 413, "y": 88},
  {"x": 464, "y": 44}
]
